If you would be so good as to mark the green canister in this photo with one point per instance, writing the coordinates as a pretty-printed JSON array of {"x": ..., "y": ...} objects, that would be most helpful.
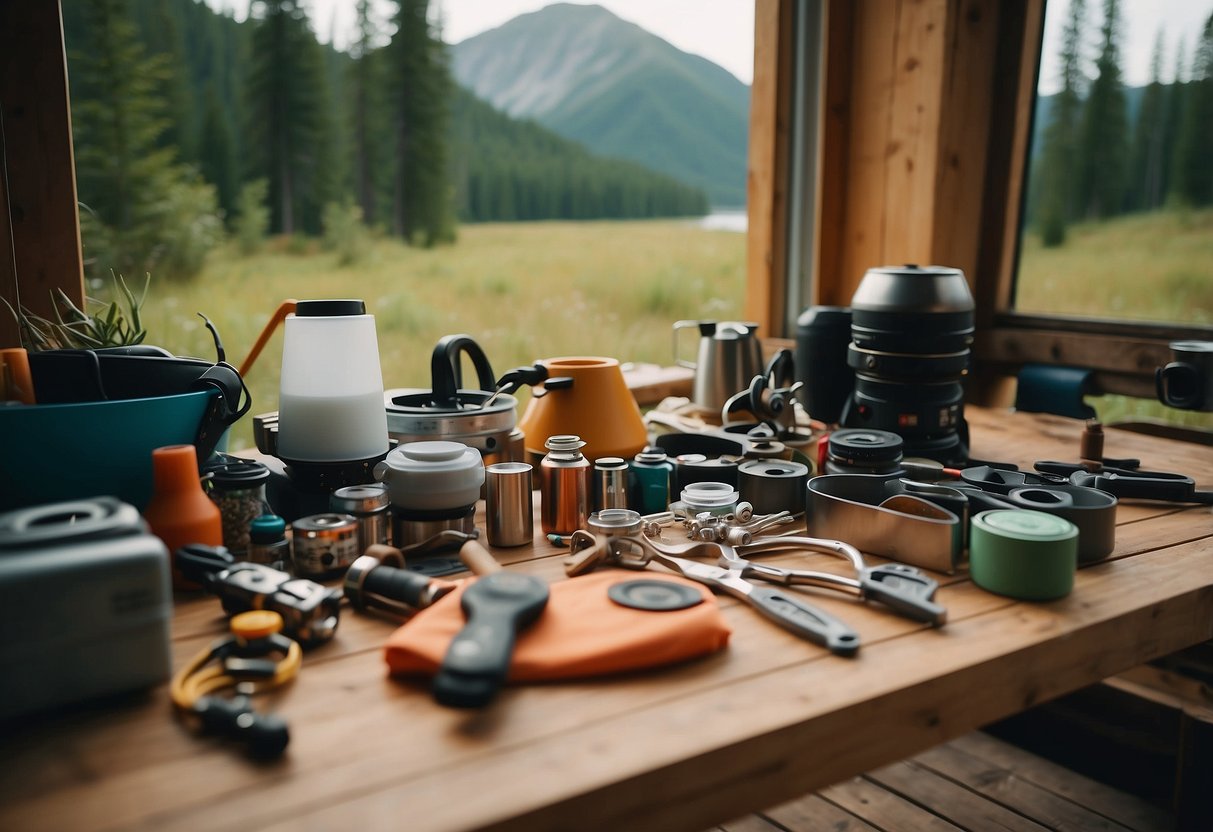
[
  {"x": 652, "y": 474},
  {"x": 1023, "y": 554}
]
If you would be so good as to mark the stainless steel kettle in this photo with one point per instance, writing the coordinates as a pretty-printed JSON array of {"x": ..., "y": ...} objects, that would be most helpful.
[{"x": 729, "y": 357}]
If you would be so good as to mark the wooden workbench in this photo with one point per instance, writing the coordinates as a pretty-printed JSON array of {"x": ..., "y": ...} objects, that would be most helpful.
[{"x": 769, "y": 718}]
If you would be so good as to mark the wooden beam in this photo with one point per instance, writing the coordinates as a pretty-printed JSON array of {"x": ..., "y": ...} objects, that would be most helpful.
[
  {"x": 39, "y": 223},
  {"x": 766, "y": 174}
]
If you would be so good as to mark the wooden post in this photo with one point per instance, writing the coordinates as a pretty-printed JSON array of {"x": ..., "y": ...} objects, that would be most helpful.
[
  {"x": 766, "y": 175},
  {"x": 39, "y": 223}
]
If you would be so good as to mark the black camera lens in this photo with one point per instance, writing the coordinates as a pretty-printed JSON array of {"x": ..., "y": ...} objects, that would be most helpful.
[{"x": 911, "y": 329}]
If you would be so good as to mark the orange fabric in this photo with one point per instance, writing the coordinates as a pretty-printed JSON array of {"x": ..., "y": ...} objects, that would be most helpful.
[{"x": 581, "y": 632}]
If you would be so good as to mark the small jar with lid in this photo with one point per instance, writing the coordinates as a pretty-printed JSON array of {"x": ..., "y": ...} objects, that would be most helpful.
[
  {"x": 369, "y": 503},
  {"x": 653, "y": 474},
  {"x": 238, "y": 489},
  {"x": 267, "y": 541}
]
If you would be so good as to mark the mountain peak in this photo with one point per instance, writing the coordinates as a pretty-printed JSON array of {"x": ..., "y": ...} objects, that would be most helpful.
[{"x": 619, "y": 89}]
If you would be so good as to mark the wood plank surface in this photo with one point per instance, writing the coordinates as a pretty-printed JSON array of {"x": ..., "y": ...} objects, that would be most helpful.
[{"x": 685, "y": 748}]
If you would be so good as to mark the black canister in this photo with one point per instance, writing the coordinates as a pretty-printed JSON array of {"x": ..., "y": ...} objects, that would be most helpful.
[
  {"x": 823, "y": 334},
  {"x": 861, "y": 451}
]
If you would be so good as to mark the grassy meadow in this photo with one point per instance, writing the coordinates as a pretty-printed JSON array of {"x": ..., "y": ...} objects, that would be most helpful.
[
  {"x": 527, "y": 291},
  {"x": 1156, "y": 266},
  {"x": 1148, "y": 267},
  {"x": 524, "y": 291}
]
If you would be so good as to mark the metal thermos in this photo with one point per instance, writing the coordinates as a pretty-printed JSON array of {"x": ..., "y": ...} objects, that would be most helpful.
[
  {"x": 564, "y": 476},
  {"x": 610, "y": 483},
  {"x": 509, "y": 515},
  {"x": 653, "y": 475}
]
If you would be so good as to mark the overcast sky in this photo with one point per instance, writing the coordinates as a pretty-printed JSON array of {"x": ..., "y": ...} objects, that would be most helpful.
[{"x": 723, "y": 30}]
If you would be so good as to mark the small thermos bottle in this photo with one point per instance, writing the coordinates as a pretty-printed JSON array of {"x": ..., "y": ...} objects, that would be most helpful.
[
  {"x": 564, "y": 485},
  {"x": 652, "y": 473}
]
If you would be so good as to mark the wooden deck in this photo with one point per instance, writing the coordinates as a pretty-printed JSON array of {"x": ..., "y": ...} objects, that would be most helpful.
[{"x": 975, "y": 782}]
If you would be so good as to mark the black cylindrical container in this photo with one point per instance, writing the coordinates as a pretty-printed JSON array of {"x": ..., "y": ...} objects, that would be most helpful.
[
  {"x": 911, "y": 327},
  {"x": 860, "y": 451},
  {"x": 823, "y": 334}
]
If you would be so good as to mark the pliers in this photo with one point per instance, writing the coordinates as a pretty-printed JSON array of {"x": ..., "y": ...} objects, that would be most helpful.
[{"x": 794, "y": 615}]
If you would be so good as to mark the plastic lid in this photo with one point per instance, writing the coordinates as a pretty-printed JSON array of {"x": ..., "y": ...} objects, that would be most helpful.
[
  {"x": 710, "y": 494},
  {"x": 256, "y": 624},
  {"x": 565, "y": 442},
  {"x": 238, "y": 474},
  {"x": 267, "y": 528},
  {"x": 1026, "y": 525},
  {"x": 329, "y": 308},
  {"x": 432, "y": 475},
  {"x": 863, "y": 445}
]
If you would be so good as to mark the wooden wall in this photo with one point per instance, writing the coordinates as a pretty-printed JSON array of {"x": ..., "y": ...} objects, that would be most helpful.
[{"x": 39, "y": 223}]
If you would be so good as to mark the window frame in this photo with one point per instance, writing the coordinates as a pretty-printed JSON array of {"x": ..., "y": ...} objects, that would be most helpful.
[{"x": 954, "y": 96}]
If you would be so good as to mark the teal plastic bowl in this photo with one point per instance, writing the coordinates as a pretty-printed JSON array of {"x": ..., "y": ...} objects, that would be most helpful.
[{"x": 53, "y": 452}]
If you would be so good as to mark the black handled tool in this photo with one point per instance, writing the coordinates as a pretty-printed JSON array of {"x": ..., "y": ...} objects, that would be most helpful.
[{"x": 498, "y": 607}]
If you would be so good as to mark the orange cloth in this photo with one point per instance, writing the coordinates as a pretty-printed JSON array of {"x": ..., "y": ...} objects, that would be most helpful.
[{"x": 581, "y": 632}]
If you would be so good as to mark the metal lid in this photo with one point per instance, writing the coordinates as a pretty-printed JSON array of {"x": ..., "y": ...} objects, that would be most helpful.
[
  {"x": 651, "y": 456},
  {"x": 360, "y": 499}
]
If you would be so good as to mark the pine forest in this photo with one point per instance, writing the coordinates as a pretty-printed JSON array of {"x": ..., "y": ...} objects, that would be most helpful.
[{"x": 191, "y": 126}]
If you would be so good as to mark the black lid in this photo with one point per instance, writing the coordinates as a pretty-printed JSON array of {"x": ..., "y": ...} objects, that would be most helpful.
[
  {"x": 239, "y": 474},
  {"x": 864, "y": 445},
  {"x": 329, "y": 308}
]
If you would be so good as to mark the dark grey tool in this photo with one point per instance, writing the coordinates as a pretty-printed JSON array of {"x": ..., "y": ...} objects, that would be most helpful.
[
  {"x": 654, "y": 596},
  {"x": 498, "y": 607}
]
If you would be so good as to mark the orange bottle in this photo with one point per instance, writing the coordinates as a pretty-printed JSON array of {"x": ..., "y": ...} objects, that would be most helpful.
[{"x": 179, "y": 511}]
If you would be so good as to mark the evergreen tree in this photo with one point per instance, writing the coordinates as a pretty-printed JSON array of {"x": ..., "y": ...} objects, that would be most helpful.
[
  {"x": 1192, "y": 179},
  {"x": 367, "y": 124},
  {"x": 421, "y": 86},
  {"x": 1145, "y": 189},
  {"x": 1174, "y": 111},
  {"x": 1104, "y": 141},
  {"x": 143, "y": 211},
  {"x": 1055, "y": 174},
  {"x": 289, "y": 115}
]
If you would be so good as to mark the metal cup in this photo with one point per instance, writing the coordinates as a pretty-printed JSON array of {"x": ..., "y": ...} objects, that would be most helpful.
[{"x": 509, "y": 511}]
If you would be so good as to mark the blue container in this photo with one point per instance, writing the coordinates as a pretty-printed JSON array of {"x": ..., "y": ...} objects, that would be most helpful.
[{"x": 54, "y": 452}]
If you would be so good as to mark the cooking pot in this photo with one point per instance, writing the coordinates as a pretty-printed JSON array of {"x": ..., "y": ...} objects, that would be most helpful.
[
  {"x": 479, "y": 418},
  {"x": 99, "y": 416}
]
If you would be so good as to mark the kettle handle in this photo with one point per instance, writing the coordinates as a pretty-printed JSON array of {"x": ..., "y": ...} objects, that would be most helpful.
[
  {"x": 446, "y": 372},
  {"x": 706, "y": 328}
]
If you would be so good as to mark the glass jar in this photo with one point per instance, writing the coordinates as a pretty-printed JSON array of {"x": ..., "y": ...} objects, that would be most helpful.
[{"x": 238, "y": 489}]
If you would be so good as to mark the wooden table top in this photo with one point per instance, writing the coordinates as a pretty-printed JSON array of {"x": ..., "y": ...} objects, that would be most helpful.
[{"x": 769, "y": 718}]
